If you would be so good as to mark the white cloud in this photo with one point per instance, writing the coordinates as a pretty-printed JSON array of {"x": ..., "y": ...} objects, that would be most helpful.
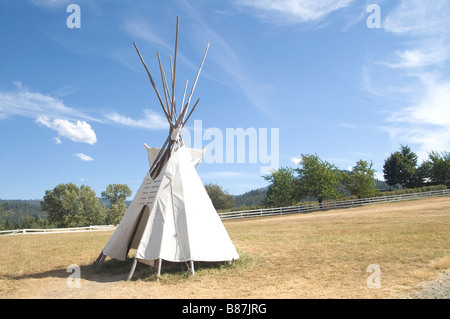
[
  {"x": 419, "y": 90},
  {"x": 379, "y": 176},
  {"x": 78, "y": 131},
  {"x": 24, "y": 102},
  {"x": 428, "y": 54},
  {"x": 418, "y": 18},
  {"x": 48, "y": 111},
  {"x": 427, "y": 26},
  {"x": 151, "y": 120},
  {"x": 296, "y": 160},
  {"x": 295, "y": 11},
  {"x": 44, "y": 120},
  {"x": 84, "y": 157},
  {"x": 68, "y": 122},
  {"x": 427, "y": 121},
  {"x": 434, "y": 107}
]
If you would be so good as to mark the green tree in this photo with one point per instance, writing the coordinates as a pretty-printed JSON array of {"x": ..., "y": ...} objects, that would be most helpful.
[
  {"x": 70, "y": 206},
  {"x": 400, "y": 168},
  {"x": 219, "y": 197},
  {"x": 361, "y": 180},
  {"x": 437, "y": 168},
  {"x": 116, "y": 194},
  {"x": 317, "y": 178},
  {"x": 60, "y": 202},
  {"x": 282, "y": 190},
  {"x": 94, "y": 212},
  {"x": 115, "y": 213}
]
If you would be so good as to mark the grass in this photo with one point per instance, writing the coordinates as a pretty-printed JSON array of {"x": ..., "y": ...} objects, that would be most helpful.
[{"x": 317, "y": 255}]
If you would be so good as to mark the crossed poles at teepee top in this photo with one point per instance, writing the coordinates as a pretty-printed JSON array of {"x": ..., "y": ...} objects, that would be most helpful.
[{"x": 176, "y": 122}]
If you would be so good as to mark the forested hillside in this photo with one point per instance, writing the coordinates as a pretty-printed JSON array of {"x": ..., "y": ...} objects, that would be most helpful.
[
  {"x": 16, "y": 214},
  {"x": 20, "y": 213},
  {"x": 252, "y": 198}
]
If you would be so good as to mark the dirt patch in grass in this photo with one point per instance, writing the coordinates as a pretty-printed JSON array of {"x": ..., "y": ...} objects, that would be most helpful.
[{"x": 318, "y": 255}]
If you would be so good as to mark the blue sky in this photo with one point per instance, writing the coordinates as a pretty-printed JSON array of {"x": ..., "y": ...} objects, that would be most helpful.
[{"x": 76, "y": 104}]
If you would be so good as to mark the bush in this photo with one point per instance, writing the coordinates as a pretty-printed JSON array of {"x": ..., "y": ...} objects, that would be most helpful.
[{"x": 414, "y": 190}]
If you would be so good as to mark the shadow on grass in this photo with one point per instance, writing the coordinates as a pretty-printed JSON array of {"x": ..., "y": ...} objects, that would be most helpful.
[{"x": 113, "y": 270}]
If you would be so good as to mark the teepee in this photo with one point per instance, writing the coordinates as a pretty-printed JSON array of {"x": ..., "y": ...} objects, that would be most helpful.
[{"x": 171, "y": 216}]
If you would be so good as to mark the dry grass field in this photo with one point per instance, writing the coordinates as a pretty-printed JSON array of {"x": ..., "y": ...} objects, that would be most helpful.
[{"x": 317, "y": 255}]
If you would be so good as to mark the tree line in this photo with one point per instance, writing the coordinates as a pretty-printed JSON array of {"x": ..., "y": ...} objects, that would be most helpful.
[
  {"x": 17, "y": 213},
  {"x": 320, "y": 180},
  {"x": 68, "y": 205}
]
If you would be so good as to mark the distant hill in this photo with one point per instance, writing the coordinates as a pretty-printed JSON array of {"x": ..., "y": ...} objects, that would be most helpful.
[
  {"x": 254, "y": 197},
  {"x": 383, "y": 186},
  {"x": 15, "y": 212},
  {"x": 21, "y": 213}
]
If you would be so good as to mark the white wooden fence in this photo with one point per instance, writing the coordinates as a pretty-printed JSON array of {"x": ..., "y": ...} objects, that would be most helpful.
[
  {"x": 306, "y": 208},
  {"x": 57, "y": 230}
]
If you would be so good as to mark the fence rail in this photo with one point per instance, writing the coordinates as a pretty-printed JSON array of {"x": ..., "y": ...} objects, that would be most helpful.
[
  {"x": 57, "y": 230},
  {"x": 306, "y": 208}
]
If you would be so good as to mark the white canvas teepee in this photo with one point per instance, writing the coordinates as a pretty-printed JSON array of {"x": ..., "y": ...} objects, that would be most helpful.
[{"x": 171, "y": 216}]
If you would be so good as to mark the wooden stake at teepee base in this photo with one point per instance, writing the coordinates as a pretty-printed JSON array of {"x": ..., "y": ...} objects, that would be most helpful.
[
  {"x": 133, "y": 268},
  {"x": 175, "y": 200},
  {"x": 99, "y": 262},
  {"x": 158, "y": 272}
]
